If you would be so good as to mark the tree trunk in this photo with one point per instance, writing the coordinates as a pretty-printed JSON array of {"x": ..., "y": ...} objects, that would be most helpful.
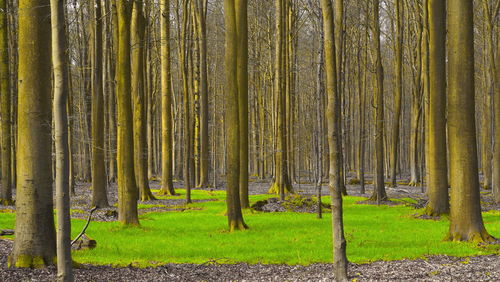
[
  {"x": 204, "y": 144},
  {"x": 167, "y": 186},
  {"x": 138, "y": 96},
  {"x": 127, "y": 188},
  {"x": 466, "y": 222},
  {"x": 333, "y": 110},
  {"x": 35, "y": 241},
  {"x": 99, "y": 195},
  {"x": 5, "y": 111},
  {"x": 242, "y": 80},
  {"x": 496, "y": 103},
  {"x": 61, "y": 90},
  {"x": 397, "y": 92},
  {"x": 232, "y": 8},
  {"x": 188, "y": 145},
  {"x": 437, "y": 187},
  {"x": 379, "y": 193},
  {"x": 281, "y": 183}
]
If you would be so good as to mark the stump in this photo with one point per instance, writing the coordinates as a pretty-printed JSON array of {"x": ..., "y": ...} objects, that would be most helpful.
[{"x": 84, "y": 243}]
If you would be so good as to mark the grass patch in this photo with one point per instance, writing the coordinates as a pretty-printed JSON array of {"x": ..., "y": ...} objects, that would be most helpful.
[{"x": 196, "y": 236}]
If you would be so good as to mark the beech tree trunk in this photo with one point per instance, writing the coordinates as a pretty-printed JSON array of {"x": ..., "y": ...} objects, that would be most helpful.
[
  {"x": 466, "y": 222},
  {"x": 99, "y": 195},
  {"x": 333, "y": 111},
  {"x": 61, "y": 91},
  {"x": 437, "y": 186},
  {"x": 35, "y": 240},
  {"x": 139, "y": 102},
  {"x": 127, "y": 189},
  {"x": 167, "y": 186},
  {"x": 232, "y": 8},
  {"x": 379, "y": 193},
  {"x": 5, "y": 111}
]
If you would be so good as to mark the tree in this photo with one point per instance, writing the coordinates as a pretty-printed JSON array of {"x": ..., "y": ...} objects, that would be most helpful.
[
  {"x": 489, "y": 17},
  {"x": 333, "y": 111},
  {"x": 127, "y": 188},
  {"x": 201, "y": 8},
  {"x": 5, "y": 112},
  {"x": 398, "y": 91},
  {"x": 167, "y": 186},
  {"x": 61, "y": 90},
  {"x": 35, "y": 241},
  {"x": 466, "y": 222},
  {"x": 139, "y": 105},
  {"x": 242, "y": 79},
  {"x": 437, "y": 188},
  {"x": 99, "y": 195},
  {"x": 379, "y": 193},
  {"x": 339, "y": 43},
  {"x": 232, "y": 11},
  {"x": 281, "y": 183},
  {"x": 188, "y": 164}
]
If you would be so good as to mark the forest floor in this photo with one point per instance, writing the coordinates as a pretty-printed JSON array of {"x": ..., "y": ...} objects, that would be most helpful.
[{"x": 428, "y": 268}]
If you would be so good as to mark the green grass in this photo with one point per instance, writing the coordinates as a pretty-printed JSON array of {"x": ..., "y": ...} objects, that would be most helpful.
[{"x": 197, "y": 236}]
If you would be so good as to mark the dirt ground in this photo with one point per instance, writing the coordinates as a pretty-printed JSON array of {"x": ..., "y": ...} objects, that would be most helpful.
[{"x": 434, "y": 268}]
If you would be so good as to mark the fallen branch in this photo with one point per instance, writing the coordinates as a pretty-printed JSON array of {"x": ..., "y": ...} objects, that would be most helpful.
[
  {"x": 6, "y": 232},
  {"x": 85, "y": 227}
]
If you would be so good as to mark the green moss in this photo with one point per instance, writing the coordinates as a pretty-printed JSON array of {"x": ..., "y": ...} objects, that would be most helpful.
[{"x": 27, "y": 261}]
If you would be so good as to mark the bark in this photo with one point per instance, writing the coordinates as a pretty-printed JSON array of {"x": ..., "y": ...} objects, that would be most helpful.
[
  {"x": 281, "y": 183},
  {"x": 242, "y": 80},
  {"x": 466, "y": 223},
  {"x": 496, "y": 104},
  {"x": 492, "y": 87},
  {"x": 61, "y": 90},
  {"x": 99, "y": 195},
  {"x": 204, "y": 114},
  {"x": 234, "y": 214},
  {"x": 188, "y": 143},
  {"x": 5, "y": 110},
  {"x": 167, "y": 186},
  {"x": 127, "y": 188},
  {"x": 320, "y": 89},
  {"x": 437, "y": 187},
  {"x": 397, "y": 92},
  {"x": 112, "y": 106},
  {"x": 379, "y": 193},
  {"x": 333, "y": 110},
  {"x": 340, "y": 63},
  {"x": 139, "y": 106},
  {"x": 35, "y": 241}
]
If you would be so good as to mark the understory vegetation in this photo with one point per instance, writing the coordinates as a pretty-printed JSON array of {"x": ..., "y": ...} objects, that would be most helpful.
[{"x": 197, "y": 233}]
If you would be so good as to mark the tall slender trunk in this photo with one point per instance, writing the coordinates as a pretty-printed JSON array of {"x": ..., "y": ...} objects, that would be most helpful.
[
  {"x": 5, "y": 109},
  {"x": 99, "y": 195},
  {"x": 437, "y": 186},
  {"x": 379, "y": 193},
  {"x": 232, "y": 11},
  {"x": 397, "y": 92},
  {"x": 281, "y": 183},
  {"x": 61, "y": 90},
  {"x": 167, "y": 186},
  {"x": 333, "y": 110},
  {"x": 496, "y": 136},
  {"x": 127, "y": 188},
  {"x": 188, "y": 145},
  {"x": 242, "y": 80},
  {"x": 138, "y": 97}
]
